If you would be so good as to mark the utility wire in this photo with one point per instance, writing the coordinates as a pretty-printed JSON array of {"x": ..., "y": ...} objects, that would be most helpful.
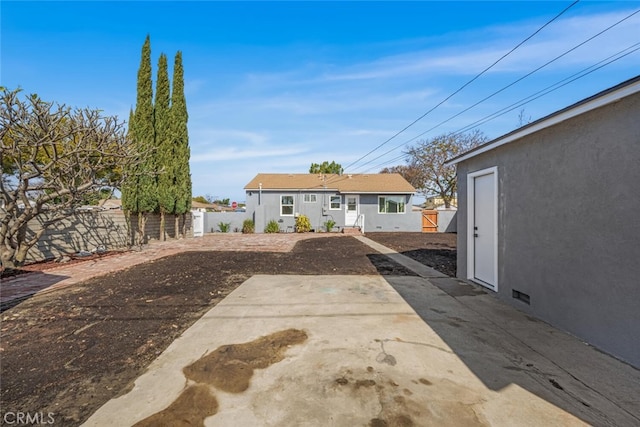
[
  {"x": 583, "y": 73},
  {"x": 551, "y": 88},
  {"x": 466, "y": 84},
  {"x": 505, "y": 87}
]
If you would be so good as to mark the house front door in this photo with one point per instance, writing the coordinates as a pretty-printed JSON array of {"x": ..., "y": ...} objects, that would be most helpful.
[{"x": 352, "y": 209}]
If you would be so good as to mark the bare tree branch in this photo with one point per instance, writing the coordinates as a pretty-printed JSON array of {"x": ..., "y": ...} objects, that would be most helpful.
[
  {"x": 425, "y": 168},
  {"x": 52, "y": 158}
]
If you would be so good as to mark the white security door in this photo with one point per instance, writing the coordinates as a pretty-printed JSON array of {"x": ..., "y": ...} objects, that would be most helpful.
[
  {"x": 484, "y": 231},
  {"x": 351, "y": 210}
]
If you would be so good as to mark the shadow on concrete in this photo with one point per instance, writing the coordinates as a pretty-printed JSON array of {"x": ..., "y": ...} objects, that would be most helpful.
[{"x": 504, "y": 347}]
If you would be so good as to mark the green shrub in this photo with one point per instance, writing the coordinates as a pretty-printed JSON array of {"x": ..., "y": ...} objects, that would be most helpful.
[
  {"x": 272, "y": 227},
  {"x": 248, "y": 227},
  {"x": 303, "y": 225},
  {"x": 329, "y": 224},
  {"x": 224, "y": 227}
]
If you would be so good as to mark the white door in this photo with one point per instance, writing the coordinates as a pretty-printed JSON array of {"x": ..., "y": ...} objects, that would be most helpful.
[
  {"x": 351, "y": 207},
  {"x": 483, "y": 252}
]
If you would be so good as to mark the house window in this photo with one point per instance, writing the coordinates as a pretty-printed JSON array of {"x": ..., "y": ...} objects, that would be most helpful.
[
  {"x": 286, "y": 205},
  {"x": 391, "y": 204},
  {"x": 334, "y": 204},
  {"x": 310, "y": 198}
]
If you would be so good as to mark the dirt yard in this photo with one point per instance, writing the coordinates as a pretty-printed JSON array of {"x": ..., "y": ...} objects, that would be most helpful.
[{"x": 70, "y": 351}]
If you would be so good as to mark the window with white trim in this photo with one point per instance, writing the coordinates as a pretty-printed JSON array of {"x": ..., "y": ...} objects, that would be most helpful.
[
  {"x": 334, "y": 203},
  {"x": 310, "y": 198},
  {"x": 286, "y": 205},
  {"x": 391, "y": 204}
]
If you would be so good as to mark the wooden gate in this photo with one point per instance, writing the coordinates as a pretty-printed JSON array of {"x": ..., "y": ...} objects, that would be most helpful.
[{"x": 429, "y": 221}]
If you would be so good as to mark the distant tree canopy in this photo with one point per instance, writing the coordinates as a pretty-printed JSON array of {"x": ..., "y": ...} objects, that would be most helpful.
[
  {"x": 326, "y": 167},
  {"x": 411, "y": 173},
  {"x": 425, "y": 168},
  {"x": 53, "y": 159}
]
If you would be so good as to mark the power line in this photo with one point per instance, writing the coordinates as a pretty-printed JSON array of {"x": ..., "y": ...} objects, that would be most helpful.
[
  {"x": 505, "y": 87},
  {"x": 466, "y": 84},
  {"x": 583, "y": 73},
  {"x": 552, "y": 88}
]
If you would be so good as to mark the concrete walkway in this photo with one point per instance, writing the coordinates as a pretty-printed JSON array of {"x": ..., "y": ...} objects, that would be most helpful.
[{"x": 375, "y": 351}]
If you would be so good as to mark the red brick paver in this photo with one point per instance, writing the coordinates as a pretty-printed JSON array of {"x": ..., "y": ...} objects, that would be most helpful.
[{"x": 24, "y": 285}]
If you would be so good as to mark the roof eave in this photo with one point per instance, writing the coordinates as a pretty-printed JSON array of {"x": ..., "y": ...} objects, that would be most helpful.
[
  {"x": 291, "y": 189},
  {"x": 376, "y": 192}
]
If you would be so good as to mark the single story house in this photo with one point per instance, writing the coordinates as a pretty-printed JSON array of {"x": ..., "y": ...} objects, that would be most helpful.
[
  {"x": 368, "y": 202},
  {"x": 549, "y": 219}
]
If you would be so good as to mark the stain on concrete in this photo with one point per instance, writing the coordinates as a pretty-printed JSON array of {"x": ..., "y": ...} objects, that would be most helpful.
[
  {"x": 387, "y": 359},
  {"x": 342, "y": 381},
  {"x": 384, "y": 357},
  {"x": 399, "y": 421},
  {"x": 403, "y": 318},
  {"x": 370, "y": 385},
  {"x": 190, "y": 409},
  {"x": 230, "y": 367},
  {"x": 383, "y": 396},
  {"x": 364, "y": 383}
]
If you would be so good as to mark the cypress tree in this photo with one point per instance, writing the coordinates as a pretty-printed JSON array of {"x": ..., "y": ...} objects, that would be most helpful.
[
  {"x": 139, "y": 194},
  {"x": 164, "y": 143},
  {"x": 129, "y": 201},
  {"x": 180, "y": 135},
  {"x": 130, "y": 183},
  {"x": 146, "y": 199}
]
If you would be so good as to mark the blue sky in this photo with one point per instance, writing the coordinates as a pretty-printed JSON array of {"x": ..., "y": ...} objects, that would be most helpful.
[{"x": 275, "y": 86}]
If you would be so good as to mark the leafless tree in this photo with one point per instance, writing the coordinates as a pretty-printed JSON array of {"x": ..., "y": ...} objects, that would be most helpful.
[
  {"x": 52, "y": 158},
  {"x": 426, "y": 159}
]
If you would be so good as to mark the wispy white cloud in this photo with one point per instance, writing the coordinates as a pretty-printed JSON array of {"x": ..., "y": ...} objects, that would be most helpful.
[
  {"x": 340, "y": 110},
  {"x": 231, "y": 153}
]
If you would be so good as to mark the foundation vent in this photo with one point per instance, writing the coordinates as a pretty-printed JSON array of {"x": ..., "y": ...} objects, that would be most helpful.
[{"x": 521, "y": 296}]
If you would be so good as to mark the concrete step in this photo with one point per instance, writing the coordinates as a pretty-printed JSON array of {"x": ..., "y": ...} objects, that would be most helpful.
[{"x": 352, "y": 231}]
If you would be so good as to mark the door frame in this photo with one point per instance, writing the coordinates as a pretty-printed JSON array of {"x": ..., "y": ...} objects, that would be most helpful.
[
  {"x": 471, "y": 221},
  {"x": 346, "y": 207}
]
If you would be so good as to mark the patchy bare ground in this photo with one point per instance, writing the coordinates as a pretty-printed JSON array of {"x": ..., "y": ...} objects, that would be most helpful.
[{"x": 70, "y": 351}]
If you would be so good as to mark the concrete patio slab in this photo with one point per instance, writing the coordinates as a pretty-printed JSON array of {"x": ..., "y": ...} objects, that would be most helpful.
[{"x": 368, "y": 359}]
